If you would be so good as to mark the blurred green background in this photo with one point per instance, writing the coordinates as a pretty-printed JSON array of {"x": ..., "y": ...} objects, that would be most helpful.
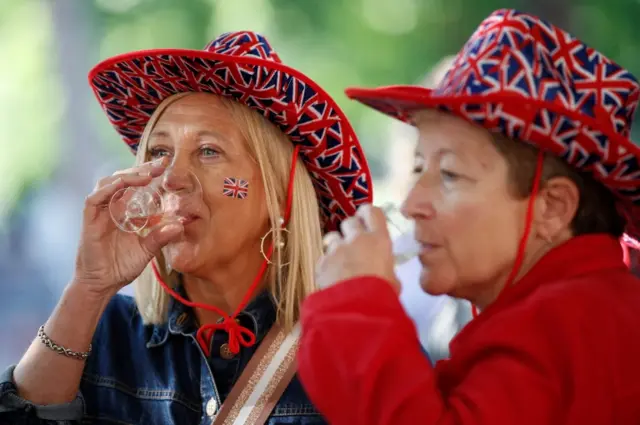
[
  {"x": 56, "y": 142},
  {"x": 48, "y": 47}
]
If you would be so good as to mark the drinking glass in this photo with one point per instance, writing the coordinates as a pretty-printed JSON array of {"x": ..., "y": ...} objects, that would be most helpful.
[
  {"x": 172, "y": 195},
  {"x": 405, "y": 246}
]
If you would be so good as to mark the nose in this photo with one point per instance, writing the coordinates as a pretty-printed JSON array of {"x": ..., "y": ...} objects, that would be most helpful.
[
  {"x": 419, "y": 203},
  {"x": 178, "y": 179}
]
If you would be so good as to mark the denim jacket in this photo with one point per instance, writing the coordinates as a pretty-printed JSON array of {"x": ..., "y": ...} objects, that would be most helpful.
[{"x": 157, "y": 374}]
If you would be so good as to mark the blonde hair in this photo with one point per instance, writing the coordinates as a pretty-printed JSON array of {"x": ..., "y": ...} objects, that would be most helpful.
[{"x": 291, "y": 276}]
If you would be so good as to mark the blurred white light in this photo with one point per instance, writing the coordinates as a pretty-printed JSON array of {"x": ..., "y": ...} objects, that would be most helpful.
[{"x": 394, "y": 17}]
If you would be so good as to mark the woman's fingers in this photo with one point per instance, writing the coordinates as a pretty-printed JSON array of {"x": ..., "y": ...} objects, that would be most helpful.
[
  {"x": 136, "y": 176},
  {"x": 148, "y": 169},
  {"x": 153, "y": 168},
  {"x": 102, "y": 195},
  {"x": 162, "y": 235},
  {"x": 331, "y": 241},
  {"x": 352, "y": 227}
]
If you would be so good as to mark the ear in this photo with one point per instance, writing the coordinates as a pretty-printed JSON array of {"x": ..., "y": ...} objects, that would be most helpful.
[{"x": 556, "y": 207}]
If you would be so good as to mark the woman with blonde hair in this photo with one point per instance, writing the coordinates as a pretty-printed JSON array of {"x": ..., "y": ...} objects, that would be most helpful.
[{"x": 257, "y": 161}]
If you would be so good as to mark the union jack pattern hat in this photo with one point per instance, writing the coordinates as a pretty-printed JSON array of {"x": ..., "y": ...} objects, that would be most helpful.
[
  {"x": 243, "y": 66},
  {"x": 532, "y": 81}
]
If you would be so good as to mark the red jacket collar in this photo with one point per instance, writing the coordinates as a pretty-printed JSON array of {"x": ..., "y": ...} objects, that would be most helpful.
[{"x": 578, "y": 256}]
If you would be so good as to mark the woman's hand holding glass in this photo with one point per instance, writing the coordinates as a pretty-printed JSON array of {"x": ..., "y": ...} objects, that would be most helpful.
[{"x": 110, "y": 258}]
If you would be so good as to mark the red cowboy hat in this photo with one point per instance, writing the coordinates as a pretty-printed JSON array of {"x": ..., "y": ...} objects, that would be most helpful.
[
  {"x": 242, "y": 66},
  {"x": 532, "y": 81}
]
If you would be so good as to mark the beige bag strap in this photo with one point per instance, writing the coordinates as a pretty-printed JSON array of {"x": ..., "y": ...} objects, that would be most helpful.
[{"x": 263, "y": 380}]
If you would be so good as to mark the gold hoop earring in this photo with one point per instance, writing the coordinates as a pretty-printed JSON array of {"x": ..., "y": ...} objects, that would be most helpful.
[{"x": 279, "y": 245}]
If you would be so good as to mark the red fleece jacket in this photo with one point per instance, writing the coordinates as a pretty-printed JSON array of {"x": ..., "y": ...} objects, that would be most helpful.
[{"x": 562, "y": 346}]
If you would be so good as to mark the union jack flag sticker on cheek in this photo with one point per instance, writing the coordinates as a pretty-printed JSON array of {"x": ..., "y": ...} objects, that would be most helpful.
[{"x": 235, "y": 188}]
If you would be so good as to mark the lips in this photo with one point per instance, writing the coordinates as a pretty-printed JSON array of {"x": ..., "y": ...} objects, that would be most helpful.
[
  {"x": 186, "y": 218},
  {"x": 184, "y": 209},
  {"x": 427, "y": 247},
  {"x": 184, "y": 213}
]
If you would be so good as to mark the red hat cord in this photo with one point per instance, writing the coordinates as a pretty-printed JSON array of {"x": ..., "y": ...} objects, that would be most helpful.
[
  {"x": 626, "y": 257},
  {"x": 238, "y": 335},
  {"x": 527, "y": 230},
  {"x": 626, "y": 241}
]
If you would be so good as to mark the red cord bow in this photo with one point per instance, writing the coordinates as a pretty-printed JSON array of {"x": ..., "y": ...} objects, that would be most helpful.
[{"x": 238, "y": 335}]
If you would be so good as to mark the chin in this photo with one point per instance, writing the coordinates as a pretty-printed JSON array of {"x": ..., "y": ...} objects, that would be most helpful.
[
  {"x": 434, "y": 283},
  {"x": 181, "y": 257}
]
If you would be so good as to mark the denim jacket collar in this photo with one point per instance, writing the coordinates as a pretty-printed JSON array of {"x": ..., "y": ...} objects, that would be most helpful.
[{"x": 258, "y": 316}]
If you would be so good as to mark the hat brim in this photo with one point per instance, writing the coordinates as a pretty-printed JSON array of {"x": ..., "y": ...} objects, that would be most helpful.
[
  {"x": 587, "y": 144},
  {"x": 130, "y": 87}
]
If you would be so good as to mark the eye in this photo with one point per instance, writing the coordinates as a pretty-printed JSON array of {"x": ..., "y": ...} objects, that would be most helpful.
[
  {"x": 418, "y": 166},
  {"x": 449, "y": 176},
  {"x": 155, "y": 153},
  {"x": 209, "y": 152}
]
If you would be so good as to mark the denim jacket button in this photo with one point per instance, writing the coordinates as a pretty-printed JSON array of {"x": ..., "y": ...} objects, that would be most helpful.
[
  {"x": 212, "y": 407},
  {"x": 225, "y": 352}
]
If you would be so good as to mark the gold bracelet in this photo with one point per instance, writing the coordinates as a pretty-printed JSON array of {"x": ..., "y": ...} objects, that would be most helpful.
[{"x": 60, "y": 349}]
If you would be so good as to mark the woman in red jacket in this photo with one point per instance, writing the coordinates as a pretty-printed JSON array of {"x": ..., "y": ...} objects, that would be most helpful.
[{"x": 527, "y": 232}]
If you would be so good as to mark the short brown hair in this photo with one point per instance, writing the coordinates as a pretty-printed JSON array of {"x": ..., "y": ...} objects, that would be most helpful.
[{"x": 597, "y": 210}]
